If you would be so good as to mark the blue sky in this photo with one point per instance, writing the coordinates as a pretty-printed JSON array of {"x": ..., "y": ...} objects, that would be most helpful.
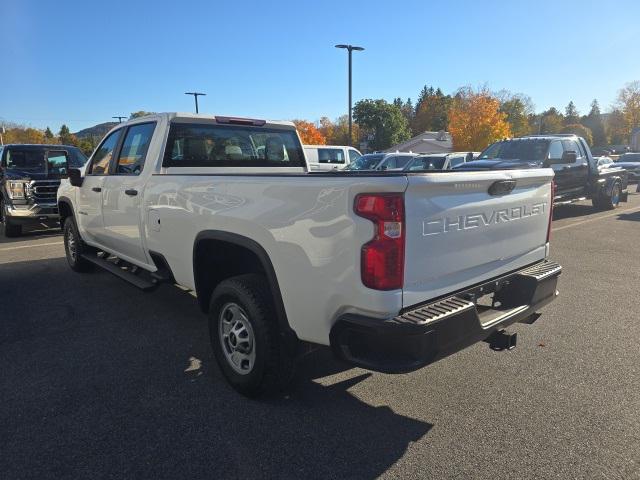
[{"x": 82, "y": 62}]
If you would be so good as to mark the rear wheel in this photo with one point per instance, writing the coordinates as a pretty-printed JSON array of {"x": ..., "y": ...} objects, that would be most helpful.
[
  {"x": 611, "y": 201},
  {"x": 74, "y": 247},
  {"x": 10, "y": 230},
  {"x": 245, "y": 336}
]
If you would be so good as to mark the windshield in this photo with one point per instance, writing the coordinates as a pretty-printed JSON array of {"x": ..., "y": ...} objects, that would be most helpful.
[
  {"x": 32, "y": 160},
  {"x": 525, "y": 150},
  {"x": 365, "y": 162},
  {"x": 427, "y": 163}
]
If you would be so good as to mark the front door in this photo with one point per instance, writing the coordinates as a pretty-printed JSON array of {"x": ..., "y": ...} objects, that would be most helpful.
[
  {"x": 122, "y": 191},
  {"x": 90, "y": 221}
]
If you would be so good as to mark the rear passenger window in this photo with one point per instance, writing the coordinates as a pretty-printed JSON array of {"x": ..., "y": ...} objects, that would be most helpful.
[
  {"x": 213, "y": 145},
  {"x": 331, "y": 155},
  {"x": 134, "y": 149},
  {"x": 102, "y": 156}
]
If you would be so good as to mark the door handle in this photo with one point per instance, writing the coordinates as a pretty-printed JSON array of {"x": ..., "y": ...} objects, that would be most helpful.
[
  {"x": 96, "y": 189},
  {"x": 131, "y": 192}
]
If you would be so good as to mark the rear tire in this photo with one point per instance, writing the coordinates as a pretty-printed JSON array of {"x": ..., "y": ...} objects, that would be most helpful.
[
  {"x": 611, "y": 202},
  {"x": 74, "y": 247},
  {"x": 245, "y": 336}
]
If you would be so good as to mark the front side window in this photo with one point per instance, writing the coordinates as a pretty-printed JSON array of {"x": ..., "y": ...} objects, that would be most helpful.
[
  {"x": 134, "y": 149},
  {"x": 555, "y": 151},
  {"x": 456, "y": 161},
  {"x": 209, "y": 145},
  {"x": 104, "y": 153},
  {"x": 572, "y": 146},
  {"x": 57, "y": 162},
  {"x": 331, "y": 155},
  {"x": 354, "y": 155}
]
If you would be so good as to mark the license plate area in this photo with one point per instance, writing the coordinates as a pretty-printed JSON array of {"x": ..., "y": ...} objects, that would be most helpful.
[{"x": 490, "y": 303}]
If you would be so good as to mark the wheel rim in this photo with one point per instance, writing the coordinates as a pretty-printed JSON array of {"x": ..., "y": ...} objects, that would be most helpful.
[
  {"x": 237, "y": 338},
  {"x": 615, "y": 195},
  {"x": 72, "y": 246}
]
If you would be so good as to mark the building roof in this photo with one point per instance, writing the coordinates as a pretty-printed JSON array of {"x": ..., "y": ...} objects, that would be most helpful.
[{"x": 426, "y": 142}]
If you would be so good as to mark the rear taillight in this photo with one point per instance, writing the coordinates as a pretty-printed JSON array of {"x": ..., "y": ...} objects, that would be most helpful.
[
  {"x": 382, "y": 258},
  {"x": 553, "y": 194}
]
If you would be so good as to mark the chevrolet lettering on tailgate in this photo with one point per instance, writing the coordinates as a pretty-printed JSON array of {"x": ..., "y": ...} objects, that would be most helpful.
[{"x": 477, "y": 220}]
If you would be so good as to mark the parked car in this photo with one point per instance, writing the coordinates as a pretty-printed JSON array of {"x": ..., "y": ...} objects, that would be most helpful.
[
  {"x": 603, "y": 162},
  {"x": 29, "y": 179},
  {"x": 382, "y": 161},
  {"x": 601, "y": 152},
  {"x": 330, "y": 157},
  {"x": 631, "y": 163},
  {"x": 438, "y": 161},
  {"x": 389, "y": 269},
  {"x": 577, "y": 176}
]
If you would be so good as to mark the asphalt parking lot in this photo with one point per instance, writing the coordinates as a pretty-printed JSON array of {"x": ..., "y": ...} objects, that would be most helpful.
[{"x": 100, "y": 380}]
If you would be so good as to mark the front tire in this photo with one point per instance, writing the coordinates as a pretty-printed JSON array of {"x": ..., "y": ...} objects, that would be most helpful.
[
  {"x": 10, "y": 230},
  {"x": 74, "y": 247},
  {"x": 245, "y": 336}
]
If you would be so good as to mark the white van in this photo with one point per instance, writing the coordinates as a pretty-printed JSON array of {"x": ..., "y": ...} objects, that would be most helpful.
[{"x": 329, "y": 157}]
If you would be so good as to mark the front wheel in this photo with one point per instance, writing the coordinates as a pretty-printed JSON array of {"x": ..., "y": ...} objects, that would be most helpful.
[
  {"x": 10, "y": 230},
  {"x": 74, "y": 247},
  {"x": 245, "y": 336}
]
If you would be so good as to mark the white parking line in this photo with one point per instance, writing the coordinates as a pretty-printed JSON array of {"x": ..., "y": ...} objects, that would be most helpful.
[
  {"x": 31, "y": 246},
  {"x": 616, "y": 212}
]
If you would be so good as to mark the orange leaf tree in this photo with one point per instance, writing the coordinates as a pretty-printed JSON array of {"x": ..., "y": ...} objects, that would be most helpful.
[
  {"x": 309, "y": 134},
  {"x": 475, "y": 120}
]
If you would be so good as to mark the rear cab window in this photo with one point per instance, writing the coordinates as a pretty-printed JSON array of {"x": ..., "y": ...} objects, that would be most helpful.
[
  {"x": 219, "y": 145},
  {"x": 331, "y": 155}
]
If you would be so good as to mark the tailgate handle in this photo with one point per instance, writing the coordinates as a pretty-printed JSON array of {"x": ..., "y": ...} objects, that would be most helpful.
[{"x": 502, "y": 187}]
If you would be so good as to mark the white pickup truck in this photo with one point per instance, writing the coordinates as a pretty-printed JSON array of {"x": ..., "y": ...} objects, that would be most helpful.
[{"x": 393, "y": 270}]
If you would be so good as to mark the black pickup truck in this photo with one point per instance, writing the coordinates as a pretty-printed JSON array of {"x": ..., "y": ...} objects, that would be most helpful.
[
  {"x": 29, "y": 180},
  {"x": 577, "y": 174}
]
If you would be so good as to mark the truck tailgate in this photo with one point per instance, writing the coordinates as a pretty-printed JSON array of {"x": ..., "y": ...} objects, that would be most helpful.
[{"x": 459, "y": 234}]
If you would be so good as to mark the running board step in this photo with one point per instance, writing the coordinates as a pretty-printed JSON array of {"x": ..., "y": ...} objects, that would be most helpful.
[{"x": 132, "y": 278}]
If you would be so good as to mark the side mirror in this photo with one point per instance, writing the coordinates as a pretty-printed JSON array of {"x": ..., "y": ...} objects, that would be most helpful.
[
  {"x": 75, "y": 177},
  {"x": 569, "y": 157}
]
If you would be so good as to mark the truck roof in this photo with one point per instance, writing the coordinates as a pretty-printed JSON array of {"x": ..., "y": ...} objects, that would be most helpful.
[
  {"x": 548, "y": 136},
  {"x": 36, "y": 145},
  {"x": 216, "y": 118}
]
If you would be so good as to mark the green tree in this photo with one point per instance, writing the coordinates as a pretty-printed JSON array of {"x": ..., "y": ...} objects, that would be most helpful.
[
  {"x": 518, "y": 109},
  {"x": 432, "y": 111},
  {"x": 66, "y": 137},
  {"x": 571, "y": 114},
  {"x": 48, "y": 134},
  {"x": 616, "y": 128},
  {"x": 406, "y": 108},
  {"x": 552, "y": 121},
  {"x": 383, "y": 120},
  {"x": 579, "y": 130},
  {"x": 594, "y": 122}
]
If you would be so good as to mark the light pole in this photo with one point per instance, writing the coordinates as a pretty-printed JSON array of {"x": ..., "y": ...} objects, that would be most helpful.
[
  {"x": 350, "y": 48},
  {"x": 119, "y": 118},
  {"x": 195, "y": 97}
]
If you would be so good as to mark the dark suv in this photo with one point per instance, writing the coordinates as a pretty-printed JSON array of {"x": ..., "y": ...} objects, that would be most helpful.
[{"x": 29, "y": 180}]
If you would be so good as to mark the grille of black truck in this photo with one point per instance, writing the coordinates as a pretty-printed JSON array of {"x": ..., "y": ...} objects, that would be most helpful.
[{"x": 43, "y": 191}]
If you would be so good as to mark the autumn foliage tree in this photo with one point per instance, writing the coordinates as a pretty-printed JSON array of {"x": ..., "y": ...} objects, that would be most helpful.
[
  {"x": 475, "y": 120},
  {"x": 309, "y": 134}
]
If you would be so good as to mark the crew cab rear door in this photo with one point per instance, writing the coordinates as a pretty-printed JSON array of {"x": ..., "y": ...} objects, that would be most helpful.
[
  {"x": 122, "y": 195},
  {"x": 463, "y": 228}
]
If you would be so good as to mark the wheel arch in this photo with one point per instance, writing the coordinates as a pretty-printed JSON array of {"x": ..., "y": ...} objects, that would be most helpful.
[
  {"x": 211, "y": 245},
  {"x": 65, "y": 209}
]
